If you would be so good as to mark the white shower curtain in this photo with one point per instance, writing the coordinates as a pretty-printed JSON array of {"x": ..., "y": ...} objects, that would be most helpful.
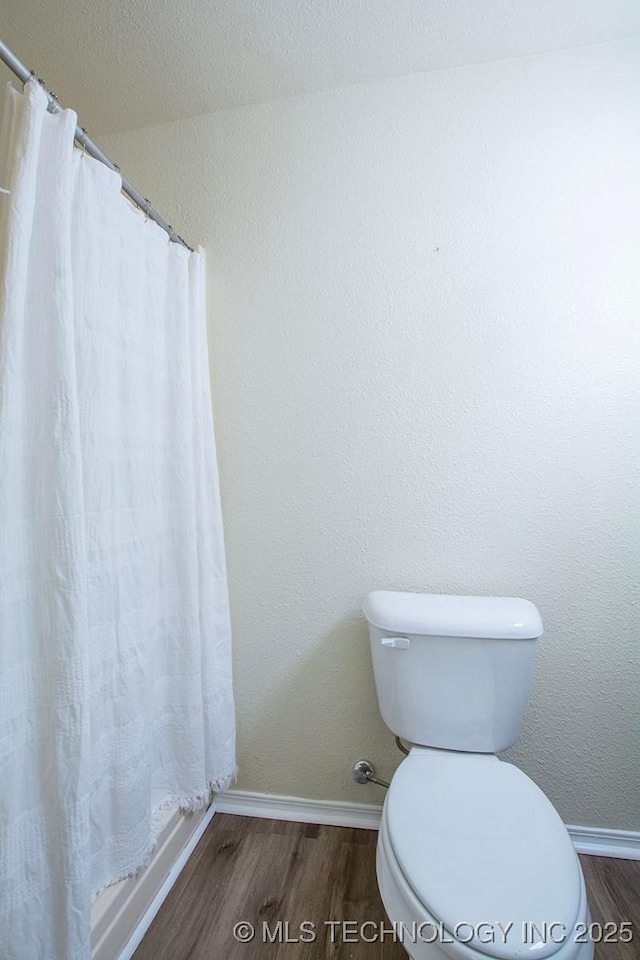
[{"x": 115, "y": 675}]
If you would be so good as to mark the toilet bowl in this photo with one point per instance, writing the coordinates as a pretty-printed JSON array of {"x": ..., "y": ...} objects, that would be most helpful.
[
  {"x": 473, "y": 861},
  {"x": 475, "y": 864}
]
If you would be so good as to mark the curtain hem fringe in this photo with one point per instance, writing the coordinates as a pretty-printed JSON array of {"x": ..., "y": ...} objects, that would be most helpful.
[{"x": 189, "y": 804}]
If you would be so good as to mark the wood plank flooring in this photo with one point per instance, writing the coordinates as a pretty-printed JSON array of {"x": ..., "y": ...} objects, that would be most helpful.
[
  {"x": 264, "y": 871},
  {"x": 613, "y": 891}
]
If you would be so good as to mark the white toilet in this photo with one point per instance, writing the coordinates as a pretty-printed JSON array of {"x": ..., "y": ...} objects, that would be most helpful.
[{"x": 473, "y": 861}]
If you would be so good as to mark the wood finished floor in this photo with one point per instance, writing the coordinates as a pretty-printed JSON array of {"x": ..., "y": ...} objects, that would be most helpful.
[{"x": 268, "y": 870}]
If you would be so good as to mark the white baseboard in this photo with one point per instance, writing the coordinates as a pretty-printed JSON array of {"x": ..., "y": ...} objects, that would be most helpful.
[
  {"x": 271, "y": 807},
  {"x": 596, "y": 841},
  {"x": 600, "y": 842},
  {"x": 123, "y": 913}
]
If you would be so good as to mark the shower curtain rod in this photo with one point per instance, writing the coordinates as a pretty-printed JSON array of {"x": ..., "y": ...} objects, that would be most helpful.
[{"x": 83, "y": 139}]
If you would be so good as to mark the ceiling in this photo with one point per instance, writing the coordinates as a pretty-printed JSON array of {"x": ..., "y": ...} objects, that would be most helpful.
[{"x": 140, "y": 62}]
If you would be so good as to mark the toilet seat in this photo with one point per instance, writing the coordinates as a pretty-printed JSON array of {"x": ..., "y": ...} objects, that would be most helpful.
[
  {"x": 407, "y": 913},
  {"x": 475, "y": 841}
]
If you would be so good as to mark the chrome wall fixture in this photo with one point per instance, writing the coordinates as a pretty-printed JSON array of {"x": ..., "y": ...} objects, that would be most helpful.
[{"x": 365, "y": 772}]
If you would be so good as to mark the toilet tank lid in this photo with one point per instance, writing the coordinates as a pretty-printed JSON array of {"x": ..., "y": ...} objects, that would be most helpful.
[{"x": 442, "y": 615}]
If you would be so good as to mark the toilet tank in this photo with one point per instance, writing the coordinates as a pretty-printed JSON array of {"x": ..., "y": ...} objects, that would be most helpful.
[{"x": 452, "y": 672}]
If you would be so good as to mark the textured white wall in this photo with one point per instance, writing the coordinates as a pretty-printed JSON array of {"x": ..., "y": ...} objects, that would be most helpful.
[{"x": 424, "y": 327}]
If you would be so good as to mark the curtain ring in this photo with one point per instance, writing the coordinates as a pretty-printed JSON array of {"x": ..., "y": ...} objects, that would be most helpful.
[
  {"x": 146, "y": 208},
  {"x": 85, "y": 136}
]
